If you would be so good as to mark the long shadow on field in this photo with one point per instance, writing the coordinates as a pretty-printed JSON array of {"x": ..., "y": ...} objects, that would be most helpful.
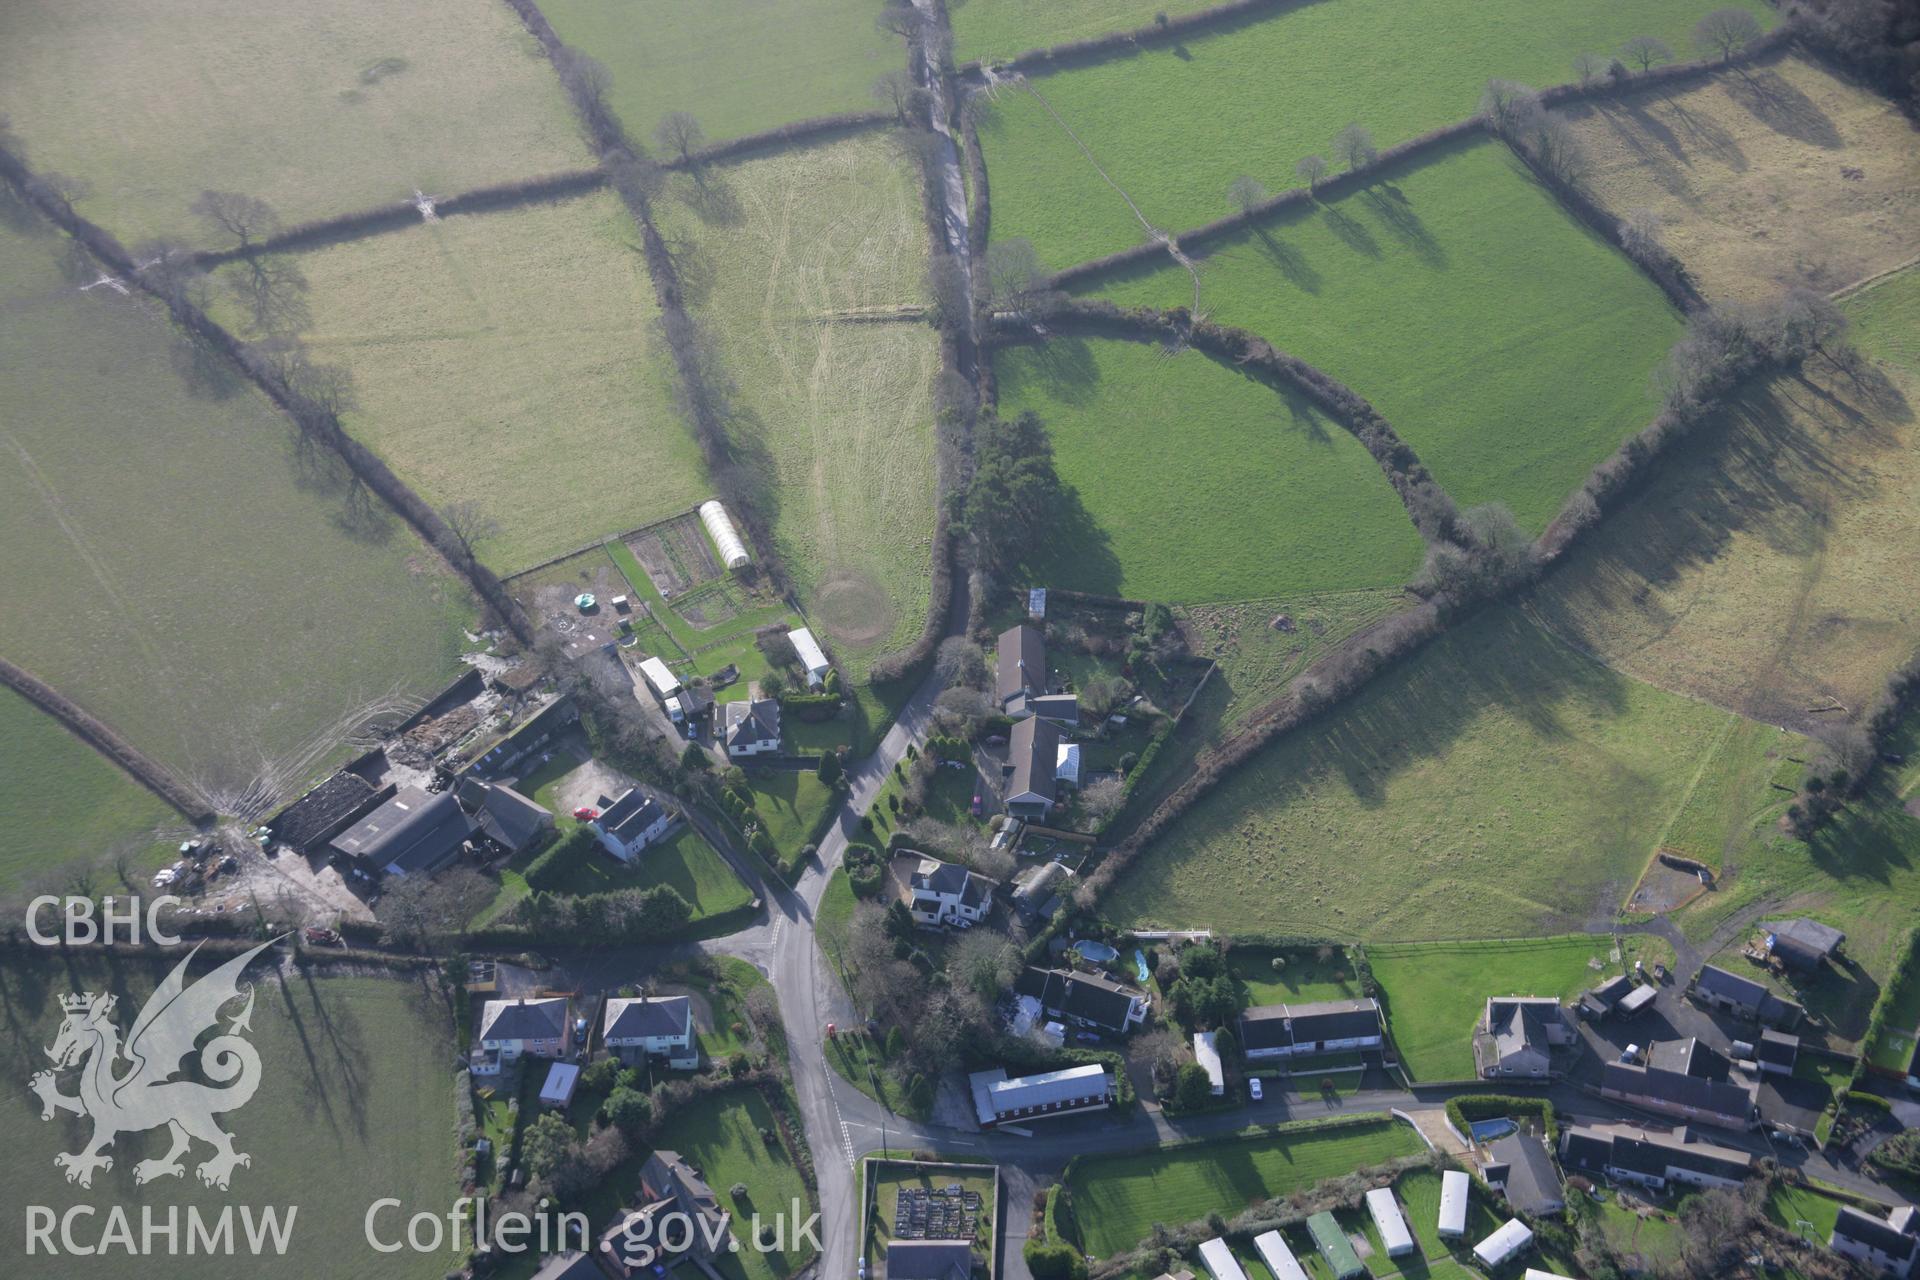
[
  {"x": 1395, "y": 212},
  {"x": 1289, "y": 260},
  {"x": 1077, "y": 553},
  {"x": 1781, "y": 107},
  {"x": 344, "y": 1068},
  {"x": 1062, "y": 368},
  {"x": 1350, "y": 230}
]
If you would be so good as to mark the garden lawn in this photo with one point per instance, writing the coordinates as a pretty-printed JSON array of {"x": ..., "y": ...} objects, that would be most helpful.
[
  {"x": 1192, "y": 482},
  {"x": 1419, "y": 1191},
  {"x": 1496, "y": 785},
  {"x": 1769, "y": 564},
  {"x": 739, "y": 67},
  {"x": 720, "y": 1136},
  {"x": 1305, "y": 979},
  {"x": 1174, "y": 125},
  {"x": 1117, "y": 1199},
  {"x": 1506, "y": 343},
  {"x": 834, "y": 416},
  {"x": 173, "y": 567},
  {"x": 355, "y": 1076},
  {"x": 318, "y": 108},
  {"x": 1433, "y": 993},
  {"x": 684, "y": 861},
  {"x": 789, "y": 802},
  {"x": 65, "y": 801},
  {"x": 1791, "y": 1206},
  {"x": 511, "y": 360}
]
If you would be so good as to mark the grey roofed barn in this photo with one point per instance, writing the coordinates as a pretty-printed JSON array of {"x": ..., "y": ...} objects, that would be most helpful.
[
  {"x": 412, "y": 833},
  {"x": 1804, "y": 943},
  {"x": 507, "y": 817}
]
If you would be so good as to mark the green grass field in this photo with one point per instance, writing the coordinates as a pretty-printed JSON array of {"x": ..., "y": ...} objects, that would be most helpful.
[
  {"x": 65, "y": 801},
  {"x": 1305, "y": 978},
  {"x": 1419, "y": 1191},
  {"x": 1174, "y": 125},
  {"x": 835, "y": 419},
  {"x": 1435, "y": 992},
  {"x": 738, "y": 68},
  {"x": 1003, "y": 28},
  {"x": 356, "y": 1103},
  {"x": 683, "y": 861},
  {"x": 1497, "y": 784},
  {"x": 316, "y": 108},
  {"x": 171, "y": 564},
  {"x": 1792, "y": 1206},
  {"x": 1507, "y": 344},
  {"x": 511, "y": 360},
  {"x": 1768, "y": 563},
  {"x": 1117, "y": 1199},
  {"x": 789, "y": 802},
  {"x": 1194, "y": 483}
]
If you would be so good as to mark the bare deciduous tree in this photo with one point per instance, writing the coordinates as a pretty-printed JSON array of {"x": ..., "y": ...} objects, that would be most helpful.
[
  {"x": 1102, "y": 799},
  {"x": 1310, "y": 170},
  {"x": 273, "y": 290},
  {"x": 469, "y": 523},
  {"x": 1013, "y": 269},
  {"x": 1640, "y": 230},
  {"x": 246, "y": 218},
  {"x": 960, "y": 663},
  {"x": 1589, "y": 67},
  {"x": 1503, "y": 101},
  {"x": 898, "y": 17},
  {"x": 1246, "y": 192},
  {"x": 1726, "y": 32},
  {"x": 1353, "y": 146},
  {"x": 1644, "y": 51},
  {"x": 985, "y": 963},
  {"x": 897, "y": 90},
  {"x": 679, "y": 134}
]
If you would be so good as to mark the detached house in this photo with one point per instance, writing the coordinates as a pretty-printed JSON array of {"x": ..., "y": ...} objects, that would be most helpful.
[
  {"x": 1517, "y": 1035},
  {"x": 752, "y": 728},
  {"x": 1033, "y": 755},
  {"x": 1296, "y": 1030},
  {"x": 1683, "y": 1078},
  {"x": 669, "y": 1188},
  {"x": 1626, "y": 1153},
  {"x": 1082, "y": 999},
  {"x": 940, "y": 893},
  {"x": 663, "y": 1028},
  {"x": 1020, "y": 669},
  {"x": 515, "y": 1029},
  {"x": 630, "y": 824},
  {"x": 1890, "y": 1246}
]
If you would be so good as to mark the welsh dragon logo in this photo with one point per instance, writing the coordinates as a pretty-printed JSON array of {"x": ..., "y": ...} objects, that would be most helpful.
[{"x": 145, "y": 1094}]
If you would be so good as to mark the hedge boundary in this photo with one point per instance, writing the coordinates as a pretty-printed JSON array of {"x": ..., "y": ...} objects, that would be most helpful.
[
  {"x": 309, "y": 417},
  {"x": 99, "y": 735}
]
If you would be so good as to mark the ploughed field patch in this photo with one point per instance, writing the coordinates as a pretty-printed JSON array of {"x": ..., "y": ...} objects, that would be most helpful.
[
  {"x": 1763, "y": 177},
  {"x": 1497, "y": 784},
  {"x": 1191, "y": 482},
  {"x": 510, "y": 361},
  {"x": 802, "y": 269},
  {"x": 318, "y": 109},
  {"x": 1174, "y": 125},
  {"x": 175, "y": 565},
  {"x": 738, "y": 67},
  {"x": 1769, "y": 563},
  {"x": 1506, "y": 343}
]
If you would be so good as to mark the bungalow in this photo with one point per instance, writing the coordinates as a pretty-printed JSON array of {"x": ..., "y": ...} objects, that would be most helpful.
[
  {"x": 1517, "y": 1035},
  {"x": 1626, "y": 1153},
  {"x": 939, "y": 893},
  {"x": 752, "y": 727},
  {"x": 1033, "y": 753},
  {"x": 813, "y": 660},
  {"x": 513, "y": 1029},
  {"x": 1777, "y": 1052},
  {"x": 1683, "y": 1078},
  {"x": 997, "y": 1099},
  {"x": 1803, "y": 944},
  {"x": 929, "y": 1260},
  {"x": 1084, "y": 999},
  {"x": 1020, "y": 669},
  {"x": 630, "y": 824},
  {"x": 660, "y": 1027},
  {"x": 1890, "y": 1246},
  {"x": 1715, "y": 988},
  {"x": 503, "y": 815},
  {"x": 412, "y": 834},
  {"x": 1293, "y": 1030},
  {"x": 1521, "y": 1168}
]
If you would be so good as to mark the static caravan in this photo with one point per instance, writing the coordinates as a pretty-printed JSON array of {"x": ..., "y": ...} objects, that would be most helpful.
[
  {"x": 1386, "y": 1218},
  {"x": 665, "y": 684},
  {"x": 1279, "y": 1259},
  {"x": 1453, "y": 1204},
  {"x": 1504, "y": 1245},
  {"x": 1220, "y": 1262}
]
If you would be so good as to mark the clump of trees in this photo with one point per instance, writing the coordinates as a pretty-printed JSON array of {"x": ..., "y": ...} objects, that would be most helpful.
[
  {"x": 1515, "y": 112},
  {"x": 1005, "y": 507},
  {"x": 1878, "y": 38}
]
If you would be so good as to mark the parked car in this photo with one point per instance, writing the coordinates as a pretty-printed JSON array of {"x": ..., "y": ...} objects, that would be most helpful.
[
  {"x": 1253, "y": 1089},
  {"x": 586, "y": 813},
  {"x": 979, "y": 804}
]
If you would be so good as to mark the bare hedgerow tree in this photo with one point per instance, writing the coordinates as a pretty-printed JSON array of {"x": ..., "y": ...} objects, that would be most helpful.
[
  {"x": 1353, "y": 146},
  {"x": 898, "y": 17},
  {"x": 1246, "y": 192},
  {"x": 166, "y": 265},
  {"x": 1013, "y": 269},
  {"x": 246, "y": 218},
  {"x": 1589, "y": 67},
  {"x": 1310, "y": 170},
  {"x": 960, "y": 663},
  {"x": 1640, "y": 231},
  {"x": 1644, "y": 51},
  {"x": 273, "y": 290},
  {"x": 469, "y": 523},
  {"x": 897, "y": 90},
  {"x": 1726, "y": 32},
  {"x": 679, "y": 134},
  {"x": 1503, "y": 101}
]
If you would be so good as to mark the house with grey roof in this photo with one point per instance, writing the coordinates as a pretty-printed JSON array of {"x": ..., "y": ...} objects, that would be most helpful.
[
  {"x": 1019, "y": 669},
  {"x": 415, "y": 833},
  {"x": 521, "y": 1028},
  {"x": 1297, "y": 1030},
  {"x": 1685, "y": 1079},
  {"x": 571, "y": 1265},
  {"x": 656, "y": 1026},
  {"x": 1033, "y": 754},
  {"x": 1715, "y": 988},
  {"x": 1889, "y": 1245},
  {"x": 1651, "y": 1158},
  {"x": 940, "y": 893},
  {"x": 1521, "y": 1169},
  {"x": 752, "y": 728},
  {"x": 1517, "y": 1036},
  {"x": 631, "y": 823},
  {"x": 1776, "y": 1051},
  {"x": 1081, "y": 999},
  {"x": 929, "y": 1260},
  {"x": 503, "y": 815}
]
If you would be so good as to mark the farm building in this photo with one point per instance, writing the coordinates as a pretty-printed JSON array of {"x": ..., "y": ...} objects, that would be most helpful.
[
  {"x": 929, "y": 1260},
  {"x": 1272, "y": 1247},
  {"x": 662, "y": 1026},
  {"x": 1334, "y": 1246},
  {"x": 630, "y": 824},
  {"x": 1387, "y": 1220},
  {"x": 939, "y": 893},
  {"x": 812, "y": 659},
  {"x": 752, "y": 728},
  {"x": 998, "y": 1099},
  {"x": 660, "y": 678},
  {"x": 1715, "y": 988},
  {"x": 1619, "y": 996},
  {"x": 1033, "y": 753},
  {"x": 1504, "y": 1245},
  {"x": 1207, "y": 1053},
  {"x": 1219, "y": 1260},
  {"x": 562, "y": 1079},
  {"x": 1889, "y": 1245},
  {"x": 726, "y": 539},
  {"x": 1454, "y": 1189},
  {"x": 1803, "y": 944},
  {"x": 1089, "y": 1000},
  {"x": 313, "y": 820},
  {"x": 1776, "y": 1051},
  {"x": 1649, "y": 1159},
  {"x": 1685, "y": 1079},
  {"x": 412, "y": 834},
  {"x": 1520, "y": 1168},
  {"x": 1293, "y": 1030},
  {"x": 1518, "y": 1034},
  {"x": 540, "y": 731},
  {"x": 503, "y": 815}
]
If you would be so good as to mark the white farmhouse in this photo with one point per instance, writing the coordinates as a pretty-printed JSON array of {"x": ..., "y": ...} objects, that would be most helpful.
[
  {"x": 661, "y": 1027},
  {"x": 630, "y": 824}
]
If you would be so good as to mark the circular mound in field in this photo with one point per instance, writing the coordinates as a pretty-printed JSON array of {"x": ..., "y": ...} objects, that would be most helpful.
[{"x": 853, "y": 608}]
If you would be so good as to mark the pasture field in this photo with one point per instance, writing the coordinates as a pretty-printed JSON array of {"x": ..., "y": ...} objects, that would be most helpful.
[
  {"x": 1497, "y": 784},
  {"x": 1154, "y": 120},
  {"x": 318, "y": 109},
  {"x": 738, "y": 68},
  {"x": 1434, "y": 993},
  {"x": 834, "y": 418},
  {"x": 1768, "y": 564},
  {"x": 1764, "y": 178},
  {"x": 1118, "y": 1198},
  {"x": 1506, "y": 343},
  {"x": 355, "y": 1076},
  {"x": 209, "y": 593},
  {"x": 1004, "y": 28},
  {"x": 1734, "y": 789},
  {"x": 1193, "y": 483},
  {"x": 511, "y": 360},
  {"x": 65, "y": 801}
]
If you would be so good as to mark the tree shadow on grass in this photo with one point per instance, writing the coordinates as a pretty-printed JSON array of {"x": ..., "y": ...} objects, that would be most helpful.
[
  {"x": 1061, "y": 368},
  {"x": 1076, "y": 552},
  {"x": 1395, "y": 212},
  {"x": 1349, "y": 230},
  {"x": 1290, "y": 262},
  {"x": 711, "y": 197},
  {"x": 1781, "y": 107}
]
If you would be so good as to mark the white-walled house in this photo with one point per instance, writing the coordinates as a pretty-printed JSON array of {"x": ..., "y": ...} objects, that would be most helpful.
[
  {"x": 630, "y": 824},
  {"x": 940, "y": 893},
  {"x": 521, "y": 1028},
  {"x": 659, "y": 1027},
  {"x": 752, "y": 728}
]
